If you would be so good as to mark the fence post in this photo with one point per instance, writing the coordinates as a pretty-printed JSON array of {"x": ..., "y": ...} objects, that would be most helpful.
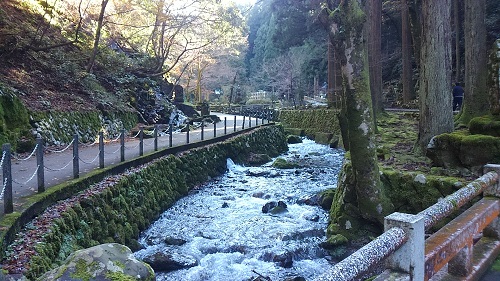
[
  {"x": 225, "y": 125},
  {"x": 122, "y": 145},
  {"x": 40, "y": 167},
  {"x": 234, "y": 124},
  {"x": 215, "y": 129},
  {"x": 410, "y": 257},
  {"x": 170, "y": 129},
  {"x": 187, "y": 133},
  {"x": 76, "y": 158},
  {"x": 101, "y": 150},
  {"x": 8, "y": 206},
  {"x": 202, "y": 129},
  {"x": 249, "y": 121},
  {"x": 141, "y": 141},
  {"x": 155, "y": 135},
  {"x": 243, "y": 123}
]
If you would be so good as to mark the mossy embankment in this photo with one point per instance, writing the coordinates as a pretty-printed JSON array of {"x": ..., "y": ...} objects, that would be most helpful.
[
  {"x": 320, "y": 125},
  {"x": 119, "y": 207}
]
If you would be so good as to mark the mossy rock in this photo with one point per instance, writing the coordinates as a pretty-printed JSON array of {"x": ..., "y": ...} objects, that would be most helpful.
[
  {"x": 322, "y": 137},
  {"x": 485, "y": 125},
  {"x": 281, "y": 163},
  {"x": 295, "y": 131},
  {"x": 291, "y": 139}
]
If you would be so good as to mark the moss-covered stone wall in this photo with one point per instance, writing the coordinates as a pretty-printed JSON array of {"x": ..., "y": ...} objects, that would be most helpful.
[
  {"x": 118, "y": 208},
  {"x": 14, "y": 119},
  {"x": 59, "y": 127},
  {"x": 319, "y": 124}
]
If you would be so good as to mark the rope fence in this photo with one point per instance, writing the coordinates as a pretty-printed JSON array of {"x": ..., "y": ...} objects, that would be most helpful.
[{"x": 103, "y": 145}]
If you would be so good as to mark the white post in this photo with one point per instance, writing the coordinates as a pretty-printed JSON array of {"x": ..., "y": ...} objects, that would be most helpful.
[{"x": 410, "y": 257}]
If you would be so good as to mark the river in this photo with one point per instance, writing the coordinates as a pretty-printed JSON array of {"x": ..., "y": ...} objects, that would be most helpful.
[{"x": 221, "y": 227}]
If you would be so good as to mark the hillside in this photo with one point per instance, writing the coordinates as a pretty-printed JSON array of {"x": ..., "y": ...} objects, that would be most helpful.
[{"x": 46, "y": 70}]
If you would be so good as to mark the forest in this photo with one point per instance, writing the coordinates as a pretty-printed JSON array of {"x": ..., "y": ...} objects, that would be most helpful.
[{"x": 89, "y": 52}]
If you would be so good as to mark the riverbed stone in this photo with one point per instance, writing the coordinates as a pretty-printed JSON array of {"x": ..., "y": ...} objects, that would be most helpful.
[
  {"x": 169, "y": 260},
  {"x": 274, "y": 207},
  {"x": 102, "y": 262}
]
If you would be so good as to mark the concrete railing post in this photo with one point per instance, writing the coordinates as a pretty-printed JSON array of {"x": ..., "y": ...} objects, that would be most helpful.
[
  {"x": 40, "y": 167},
  {"x": 493, "y": 229},
  {"x": 76, "y": 158},
  {"x": 410, "y": 257},
  {"x": 122, "y": 145},
  {"x": 141, "y": 141},
  {"x": 8, "y": 203},
  {"x": 101, "y": 150}
]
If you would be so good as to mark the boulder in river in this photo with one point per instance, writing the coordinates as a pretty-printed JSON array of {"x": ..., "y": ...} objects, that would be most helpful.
[
  {"x": 274, "y": 207},
  {"x": 168, "y": 261},
  {"x": 110, "y": 261}
]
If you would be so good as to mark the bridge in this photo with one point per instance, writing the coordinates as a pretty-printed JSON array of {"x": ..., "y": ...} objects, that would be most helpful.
[{"x": 463, "y": 249}]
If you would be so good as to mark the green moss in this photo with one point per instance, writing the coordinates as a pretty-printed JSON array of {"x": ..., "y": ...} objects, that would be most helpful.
[
  {"x": 485, "y": 125},
  {"x": 281, "y": 163},
  {"x": 118, "y": 276},
  {"x": 83, "y": 270}
]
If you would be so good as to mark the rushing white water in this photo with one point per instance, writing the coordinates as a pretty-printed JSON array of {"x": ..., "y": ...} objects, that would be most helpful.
[{"x": 226, "y": 232}]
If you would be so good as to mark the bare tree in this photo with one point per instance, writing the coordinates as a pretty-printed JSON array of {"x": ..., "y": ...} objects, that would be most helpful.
[{"x": 97, "y": 38}]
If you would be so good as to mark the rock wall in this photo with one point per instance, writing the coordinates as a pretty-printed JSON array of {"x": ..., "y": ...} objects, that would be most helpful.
[
  {"x": 118, "y": 208},
  {"x": 319, "y": 124}
]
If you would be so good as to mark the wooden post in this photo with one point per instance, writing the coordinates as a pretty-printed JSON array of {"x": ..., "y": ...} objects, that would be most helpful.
[
  {"x": 8, "y": 205},
  {"x": 122, "y": 146},
  {"x": 202, "y": 129},
  {"x": 155, "y": 135},
  {"x": 76, "y": 158},
  {"x": 101, "y": 150},
  {"x": 141, "y": 141},
  {"x": 40, "y": 167},
  {"x": 170, "y": 129}
]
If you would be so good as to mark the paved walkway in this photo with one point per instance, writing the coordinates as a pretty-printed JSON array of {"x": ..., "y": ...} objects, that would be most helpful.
[{"x": 59, "y": 165}]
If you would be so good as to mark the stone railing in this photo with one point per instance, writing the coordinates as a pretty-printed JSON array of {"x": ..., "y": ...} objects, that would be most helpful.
[{"x": 409, "y": 256}]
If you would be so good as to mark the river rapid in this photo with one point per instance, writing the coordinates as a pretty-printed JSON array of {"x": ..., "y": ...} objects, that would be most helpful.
[{"x": 220, "y": 228}]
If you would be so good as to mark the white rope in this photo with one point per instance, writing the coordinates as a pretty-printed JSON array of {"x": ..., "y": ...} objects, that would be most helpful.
[
  {"x": 134, "y": 146},
  {"x": 24, "y": 159},
  {"x": 65, "y": 166},
  {"x": 117, "y": 138},
  {"x": 32, "y": 176},
  {"x": 136, "y": 135},
  {"x": 118, "y": 149},
  {"x": 3, "y": 158},
  {"x": 60, "y": 151},
  {"x": 150, "y": 134},
  {"x": 3, "y": 188},
  {"x": 148, "y": 144},
  {"x": 88, "y": 144},
  {"x": 90, "y": 161}
]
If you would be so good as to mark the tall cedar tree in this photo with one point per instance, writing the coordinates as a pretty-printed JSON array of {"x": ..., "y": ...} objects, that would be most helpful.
[
  {"x": 407, "y": 77},
  {"x": 436, "y": 115},
  {"x": 476, "y": 101}
]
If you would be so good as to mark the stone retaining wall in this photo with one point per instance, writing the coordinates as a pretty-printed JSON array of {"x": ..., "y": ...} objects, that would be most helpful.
[{"x": 118, "y": 208}]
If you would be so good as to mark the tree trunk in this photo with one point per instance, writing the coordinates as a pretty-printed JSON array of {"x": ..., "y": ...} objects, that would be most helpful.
[
  {"x": 95, "y": 49},
  {"x": 370, "y": 199},
  {"x": 407, "y": 79},
  {"x": 476, "y": 70},
  {"x": 374, "y": 8},
  {"x": 457, "y": 25},
  {"x": 436, "y": 115},
  {"x": 415, "y": 13}
]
